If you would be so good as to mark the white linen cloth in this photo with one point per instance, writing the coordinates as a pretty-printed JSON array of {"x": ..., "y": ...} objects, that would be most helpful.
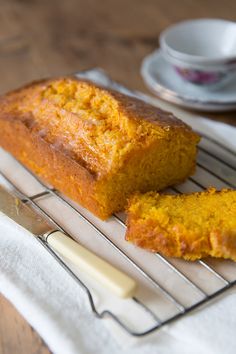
[{"x": 57, "y": 308}]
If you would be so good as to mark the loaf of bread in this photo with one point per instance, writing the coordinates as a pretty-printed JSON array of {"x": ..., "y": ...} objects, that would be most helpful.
[
  {"x": 95, "y": 145},
  {"x": 190, "y": 226}
]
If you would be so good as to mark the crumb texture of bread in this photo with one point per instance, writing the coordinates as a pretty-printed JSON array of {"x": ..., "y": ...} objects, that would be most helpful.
[
  {"x": 95, "y": 145},
  {"x": 190, "y": 226}
]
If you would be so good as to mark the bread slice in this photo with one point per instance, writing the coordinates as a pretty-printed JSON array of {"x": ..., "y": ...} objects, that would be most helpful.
[
  {"x": 189, "y": 226},
  {"x": 95, "y": 145}
]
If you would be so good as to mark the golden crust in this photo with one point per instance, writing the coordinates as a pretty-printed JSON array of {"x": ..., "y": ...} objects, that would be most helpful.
[
  {"x": 50, "y": 164},
  {"x": 134, "y": 108},
  {"x": 188, "y": 226},
  {"x": 94, "y": 149}
]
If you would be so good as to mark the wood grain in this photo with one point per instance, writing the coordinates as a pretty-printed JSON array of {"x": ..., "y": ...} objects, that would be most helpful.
[
  {"x": 16, "y": 336},
  {"x": 40, "y": 38}
]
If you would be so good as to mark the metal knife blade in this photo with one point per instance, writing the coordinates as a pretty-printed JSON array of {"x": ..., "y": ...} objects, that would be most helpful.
[
  {"x": 22, "y": 214},
  {"x": 113, "y": 279}
]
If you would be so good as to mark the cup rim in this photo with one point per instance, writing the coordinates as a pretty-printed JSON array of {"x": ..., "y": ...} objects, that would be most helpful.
[{"x": 191, "y": 57}]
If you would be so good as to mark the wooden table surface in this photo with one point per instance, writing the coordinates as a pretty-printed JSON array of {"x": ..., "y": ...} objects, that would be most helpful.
[{"x": 40, "y": 38}]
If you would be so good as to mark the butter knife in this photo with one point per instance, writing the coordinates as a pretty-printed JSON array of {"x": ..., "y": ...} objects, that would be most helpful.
[{"x": 107, "y": 275}]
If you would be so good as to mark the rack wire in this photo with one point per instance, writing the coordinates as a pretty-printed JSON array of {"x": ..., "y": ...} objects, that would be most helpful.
[{"x": 218, "y": 168}]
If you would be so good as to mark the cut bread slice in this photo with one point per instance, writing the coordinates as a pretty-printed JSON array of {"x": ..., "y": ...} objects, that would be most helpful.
[{"x": 190, "y": 226}]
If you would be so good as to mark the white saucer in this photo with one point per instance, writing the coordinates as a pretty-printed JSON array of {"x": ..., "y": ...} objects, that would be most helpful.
[{"x": 162, "y": 79}]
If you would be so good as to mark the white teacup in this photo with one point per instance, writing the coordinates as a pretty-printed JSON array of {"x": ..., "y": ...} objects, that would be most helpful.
[{"x": 202, "y": 51}]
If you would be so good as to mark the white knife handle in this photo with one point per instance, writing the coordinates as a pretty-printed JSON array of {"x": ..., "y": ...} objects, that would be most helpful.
[{"x": 113, "y": 279}]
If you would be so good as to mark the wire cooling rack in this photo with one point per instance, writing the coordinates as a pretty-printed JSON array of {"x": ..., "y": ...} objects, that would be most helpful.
[{"x": 216, "y": 166}]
